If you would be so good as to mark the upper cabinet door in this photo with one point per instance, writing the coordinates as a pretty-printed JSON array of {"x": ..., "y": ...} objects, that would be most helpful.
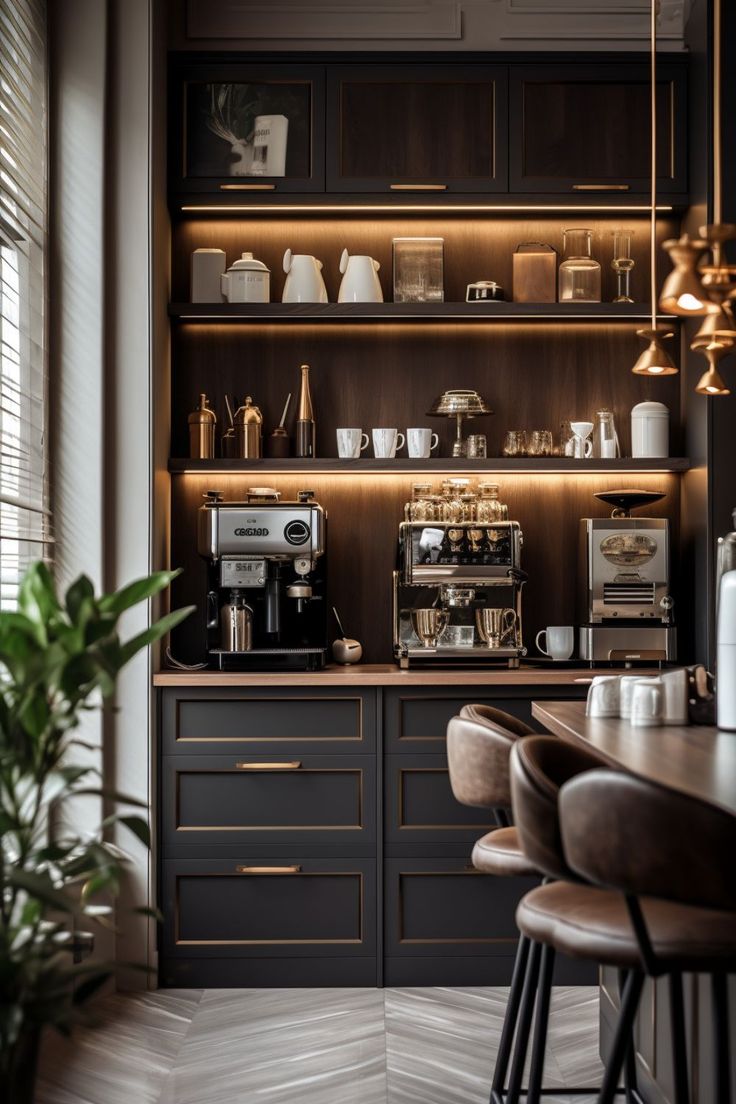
[
  {"x": 417, "y": 129},
  {"x": 585, "y": 129},
  {"x": 241, "y": 129}
]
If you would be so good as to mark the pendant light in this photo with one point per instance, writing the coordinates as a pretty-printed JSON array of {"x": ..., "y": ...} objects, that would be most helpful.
[
  {"x": 683, "y": 292},
  {"x": 712, "y": 382},
  {"x": 655, "y": 360}
]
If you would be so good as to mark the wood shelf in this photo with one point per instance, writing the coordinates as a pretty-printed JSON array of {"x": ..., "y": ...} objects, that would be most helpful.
[
  {"x": 412, "y": 312},
  {"x": 401, "y": 466}
]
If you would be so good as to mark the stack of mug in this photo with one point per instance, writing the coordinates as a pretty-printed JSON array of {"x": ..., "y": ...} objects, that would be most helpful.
[
  {"x": 386, "y": 443},
  {"x": 644, "y": 701}
]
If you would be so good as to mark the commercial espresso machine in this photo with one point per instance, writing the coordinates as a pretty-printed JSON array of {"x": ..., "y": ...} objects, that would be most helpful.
[
  {"x": 457, "y": 593},
  {"x": 266, "y": 581},
  {"x": 626, "y": 608}
]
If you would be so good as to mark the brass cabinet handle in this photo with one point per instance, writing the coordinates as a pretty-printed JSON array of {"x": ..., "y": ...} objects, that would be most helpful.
[
  {"x": 247, "y": 187},
  {"x": 418, "y": 187},
  {"x": 601, "y": 187},
  {"x": 294, "y": 765},
  {"x": 268, "y": 870}
]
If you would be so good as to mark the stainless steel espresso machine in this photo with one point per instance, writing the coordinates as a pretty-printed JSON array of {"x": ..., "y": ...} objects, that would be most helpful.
[
  {"x": 626, "y": 609},
  {"x": 457, "y": 593},
  {"x": 266, "y": 581}
]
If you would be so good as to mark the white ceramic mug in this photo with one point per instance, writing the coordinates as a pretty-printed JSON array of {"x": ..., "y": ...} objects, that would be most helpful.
[
  {"x": 647, "y": 702},
  {"x": 603, "y": 696},
  {"x": 675, "y": 694},
  {"x": 628, "y": 682},
  {"x": 387, "y": 442},
  {"x": 420, "y": 442},
  {"x": 559, "y": 641},
  {"x": 351, "y": 442}
]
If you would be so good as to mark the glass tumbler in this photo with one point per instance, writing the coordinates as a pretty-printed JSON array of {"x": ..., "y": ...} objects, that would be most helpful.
[
  {"x": 477, "y": 446},
  {"x": 579, "y": 274},
  {"x": 540, "y": 442},
  {"x": 514, "y": 443}
]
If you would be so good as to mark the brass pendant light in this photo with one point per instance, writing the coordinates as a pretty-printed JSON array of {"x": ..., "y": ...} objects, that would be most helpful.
[
  {"x": 711, "y": 382},
  {"x": 683, "y": 292},
  {"x": 654, "y": 361}
]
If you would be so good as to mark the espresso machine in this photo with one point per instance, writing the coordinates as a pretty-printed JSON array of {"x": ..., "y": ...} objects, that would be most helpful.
[
  {"x": 457, "y": 593},
  {"x": 626, "y": 609},
  {"x": 266, "y": 581}
]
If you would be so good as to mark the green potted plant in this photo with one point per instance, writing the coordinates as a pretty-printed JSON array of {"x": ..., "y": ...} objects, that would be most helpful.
[{"x": 57, "y": 659}]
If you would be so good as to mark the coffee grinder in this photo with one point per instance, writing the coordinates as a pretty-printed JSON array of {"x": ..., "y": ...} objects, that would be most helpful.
[
  {"x": 626, "y": 608},
  {"x": 266, "y": 581}
]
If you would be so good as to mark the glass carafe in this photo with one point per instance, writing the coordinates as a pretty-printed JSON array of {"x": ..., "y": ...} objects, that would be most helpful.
[
  {"x": 579, "y": 275},
  {"x": 605, "y": 437}
]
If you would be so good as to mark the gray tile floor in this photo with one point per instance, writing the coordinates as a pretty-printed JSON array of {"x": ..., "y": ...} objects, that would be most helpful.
[{"x": 314, "y": 1046}]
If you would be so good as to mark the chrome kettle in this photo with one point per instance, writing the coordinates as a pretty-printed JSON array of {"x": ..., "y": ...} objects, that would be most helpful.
[{"x": 236, "y": 624}]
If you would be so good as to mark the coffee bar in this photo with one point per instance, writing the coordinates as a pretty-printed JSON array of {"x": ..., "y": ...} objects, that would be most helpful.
[{"x": 443, "y": 447}]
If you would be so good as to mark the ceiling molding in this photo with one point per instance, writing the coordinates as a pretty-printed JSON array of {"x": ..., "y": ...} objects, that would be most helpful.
[{"x": 579, "y": 20}]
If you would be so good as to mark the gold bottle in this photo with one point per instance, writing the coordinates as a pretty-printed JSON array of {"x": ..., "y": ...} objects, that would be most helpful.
[
  {"x": 202, "y": 423},
  {"x": 305, "y": 427},
  {"x": 248, "y": 429}
]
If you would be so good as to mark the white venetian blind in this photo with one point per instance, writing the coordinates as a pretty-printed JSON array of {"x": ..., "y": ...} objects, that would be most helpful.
[{"x": 25, "y": 523}]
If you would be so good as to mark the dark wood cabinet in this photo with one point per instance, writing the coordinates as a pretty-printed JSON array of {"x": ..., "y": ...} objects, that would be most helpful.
[
  {"x": 416, "y": 128},
  {"x": 586, "y": 129},
  {"x": 231, "y": 123}
]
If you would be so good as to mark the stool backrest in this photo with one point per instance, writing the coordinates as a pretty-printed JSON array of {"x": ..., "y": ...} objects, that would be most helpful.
[
  {"x": 479, "y": 743},
  {"x": 626, "y": 833},
  {"x": 540, "y": 766}
]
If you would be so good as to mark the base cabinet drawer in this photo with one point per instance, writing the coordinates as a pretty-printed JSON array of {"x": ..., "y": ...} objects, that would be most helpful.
[
  {"x": 442, "y": 906},
  {"x": 266, "y": 907},
  {"x": 292, "y": 721},
  {"x": 421, "y": 807},
  {"x": 221, "y": 799}
]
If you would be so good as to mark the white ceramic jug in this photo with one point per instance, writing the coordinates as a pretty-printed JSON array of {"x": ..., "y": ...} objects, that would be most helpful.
[
  {"x": 360, "y": 283},
  {"x": 304, "y": 283}
]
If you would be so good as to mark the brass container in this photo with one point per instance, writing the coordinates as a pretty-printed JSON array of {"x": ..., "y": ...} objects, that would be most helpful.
[
  {"x": 202, "y": 425},
  {"x": 535, "y": 273},
  {"x": 248, "y": 431}
]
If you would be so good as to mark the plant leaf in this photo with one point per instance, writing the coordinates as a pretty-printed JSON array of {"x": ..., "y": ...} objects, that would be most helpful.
[
  {"x": 136, "y": 592},
  {"x": 155, "y": 632},
  {"x": 36, "y": 885},
  {"x": 135, "y": 824}
]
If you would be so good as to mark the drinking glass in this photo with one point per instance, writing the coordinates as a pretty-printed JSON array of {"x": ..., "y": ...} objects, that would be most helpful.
[
  {"x": 622, "y": 264},
  {"x": 540, "y": 442},
  {"x": 514, "y": 443},
  {"x": 567, "y": 439},
  {"x": 477, "y": 446}
]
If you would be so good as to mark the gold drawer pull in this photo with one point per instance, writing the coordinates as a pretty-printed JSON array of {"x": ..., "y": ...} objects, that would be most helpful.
[
  {"x": 294, "y": 765},
  {"x": 418, "y": 187},
  {"x": 247, "y": 187},
  {"x": 268, "y": 870},
  {"x": 600, "y": 187}
]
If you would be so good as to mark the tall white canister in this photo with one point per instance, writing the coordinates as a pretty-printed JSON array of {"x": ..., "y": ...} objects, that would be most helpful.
[{"x": 650, "y": 429}]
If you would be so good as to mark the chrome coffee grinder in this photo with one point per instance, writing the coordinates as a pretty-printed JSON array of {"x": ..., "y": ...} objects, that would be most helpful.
[
  {"x": 626, "y": 608},
  {"x": 266, "y": 581}
]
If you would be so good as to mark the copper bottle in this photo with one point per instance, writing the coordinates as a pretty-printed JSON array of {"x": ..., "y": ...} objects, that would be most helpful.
[
  {"x": 305, "y": 427},
  {"x": 202, "y": 423},
  {"x": 248, "y": 429}
]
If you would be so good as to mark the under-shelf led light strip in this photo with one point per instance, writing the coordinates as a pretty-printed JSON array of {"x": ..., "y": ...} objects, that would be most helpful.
[{"x": 419, "y": 208}]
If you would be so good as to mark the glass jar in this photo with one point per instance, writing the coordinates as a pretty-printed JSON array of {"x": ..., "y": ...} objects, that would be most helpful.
[
  {"x": 421, "y": 507},
  {"x": 489, "y": 508},
  {"x": 579, "y": 274}
]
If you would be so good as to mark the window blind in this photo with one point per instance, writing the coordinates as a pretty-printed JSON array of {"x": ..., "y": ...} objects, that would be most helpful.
[{"x": 25, "y": 519}]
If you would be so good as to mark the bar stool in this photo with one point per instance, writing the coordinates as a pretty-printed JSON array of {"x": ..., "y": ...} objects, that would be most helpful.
[
  {"x": 665, "y": 861},
  {"x": 603, "y": 926},
  {"x": 479, "y": 743}
]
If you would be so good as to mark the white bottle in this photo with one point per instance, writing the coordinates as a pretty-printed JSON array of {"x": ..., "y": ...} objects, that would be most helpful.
[
  {"x": 650, "y": 430},
  {"x": 726, "y": 655}
]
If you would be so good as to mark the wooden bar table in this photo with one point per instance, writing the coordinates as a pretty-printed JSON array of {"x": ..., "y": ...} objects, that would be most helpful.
[{"x": 697, "y": 760}]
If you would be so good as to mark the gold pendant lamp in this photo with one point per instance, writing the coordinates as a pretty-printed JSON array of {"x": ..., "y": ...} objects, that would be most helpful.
[{"x": 655, "y": 360}]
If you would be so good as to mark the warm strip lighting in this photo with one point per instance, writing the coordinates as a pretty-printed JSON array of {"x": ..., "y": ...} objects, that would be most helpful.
[
  {"x": 394, "y": 208},
  {"x": 230, "y": 473}
]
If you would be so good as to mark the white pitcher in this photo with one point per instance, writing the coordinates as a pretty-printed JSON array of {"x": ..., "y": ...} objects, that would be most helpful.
[
  {"x": 360, "y": 283},
  {"x": 304, "y": 283}
]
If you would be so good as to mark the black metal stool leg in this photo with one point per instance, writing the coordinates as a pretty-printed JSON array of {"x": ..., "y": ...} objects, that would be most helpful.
[
  {"x": 539, "y": 1043},
  {"x": 621, "y": 1040},
  {"x": 721, "y": 1041},
  {"x": 510, "y": 1018},
  {"x": 526, "y": 1014},
  {"x": 679, "y": 1040},
  {"x": 630, "y": 1084}
]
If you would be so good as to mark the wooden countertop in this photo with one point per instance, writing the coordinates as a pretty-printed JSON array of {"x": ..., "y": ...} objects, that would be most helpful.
[
  {"x": 695, "y": 759},
  {"x": 385, "y": 674}
]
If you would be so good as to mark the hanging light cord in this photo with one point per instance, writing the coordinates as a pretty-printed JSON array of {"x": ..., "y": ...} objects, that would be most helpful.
[
  {"x": 653, "y": 132},
  {"x": 717, "y": 182}
]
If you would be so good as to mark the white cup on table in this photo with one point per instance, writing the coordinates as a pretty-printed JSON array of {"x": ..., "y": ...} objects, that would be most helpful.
[
  {"x": 387, "y": 442},
  {"x": 603, "y": 697},
  {"x": 421, "y": 442},
  {"x": 559, "y": 641},
  {"x": 676, "y": 694},
  {"x": 350, "y": 443},
  {"x": 628, "y": 682},
  {"x": 647, "y": 703}
]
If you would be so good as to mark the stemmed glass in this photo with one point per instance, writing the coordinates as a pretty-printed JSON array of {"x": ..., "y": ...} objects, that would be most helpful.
[{"x": 622, "y": 264}]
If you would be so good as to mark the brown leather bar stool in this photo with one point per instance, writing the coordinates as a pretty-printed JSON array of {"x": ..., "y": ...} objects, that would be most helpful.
[
  {"x": 479, "y": 743},
  {"x": 604, "y": 926},
  {"x": 665, "y": 861}
]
